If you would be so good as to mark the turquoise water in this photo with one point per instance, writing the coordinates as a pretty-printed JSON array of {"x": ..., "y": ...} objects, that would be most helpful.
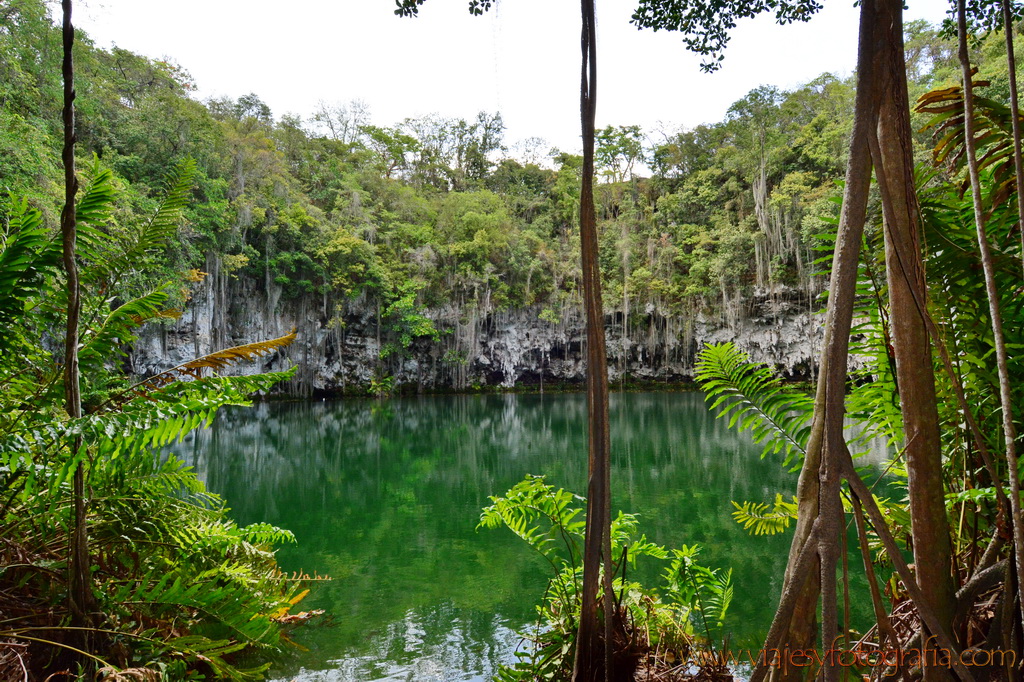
[{"x": 384, "y": 497}]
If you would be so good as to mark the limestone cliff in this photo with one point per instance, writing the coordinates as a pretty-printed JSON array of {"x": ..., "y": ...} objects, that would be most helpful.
[{"x": 338, "y": 346}]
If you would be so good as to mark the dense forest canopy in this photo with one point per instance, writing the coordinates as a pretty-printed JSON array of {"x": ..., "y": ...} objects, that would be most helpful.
[{"x": 430, "y": 210}]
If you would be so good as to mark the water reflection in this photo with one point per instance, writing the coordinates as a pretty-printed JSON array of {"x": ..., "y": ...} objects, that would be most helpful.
[
  {"x": 440, "y": 644},
  {"x": 385, "y": 497}
]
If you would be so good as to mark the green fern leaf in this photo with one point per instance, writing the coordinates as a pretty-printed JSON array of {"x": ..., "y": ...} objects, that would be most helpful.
[{"x": 754, "y": 399}]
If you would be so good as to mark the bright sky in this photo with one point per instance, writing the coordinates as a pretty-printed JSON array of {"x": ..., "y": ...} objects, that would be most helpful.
[{"x": 521, "y": 59}]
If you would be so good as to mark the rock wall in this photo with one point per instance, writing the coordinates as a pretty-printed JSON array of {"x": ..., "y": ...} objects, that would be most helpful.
[{"x": 338, "y": 346}]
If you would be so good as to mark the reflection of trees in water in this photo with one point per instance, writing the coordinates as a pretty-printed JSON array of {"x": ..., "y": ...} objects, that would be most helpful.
[
  {"x": 275, "y": 453},
  {"x": 385, "y": 497},
  {"x": 428, "y": 645}
]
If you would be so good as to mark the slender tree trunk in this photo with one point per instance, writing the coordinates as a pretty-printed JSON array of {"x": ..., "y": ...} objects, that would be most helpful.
[
  {"x": 881, "y": 124},
  {"x": 911, "y": 343},
  {"x": 80, "y": 588},
  {"x": 591, "y": 655},
  {"x": 1018, "y": 161},
  {"x": 1002, "y": 357},
  {"x": 826, "y": 431},
  {"x": 886, "y": 634}
]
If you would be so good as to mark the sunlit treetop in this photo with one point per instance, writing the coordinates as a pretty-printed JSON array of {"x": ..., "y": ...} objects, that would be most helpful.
[
  {"x": 983, "y": 16},
  {"x": 704, "y": 24}
]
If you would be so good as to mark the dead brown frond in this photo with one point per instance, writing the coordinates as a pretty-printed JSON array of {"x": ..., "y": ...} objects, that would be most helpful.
[
  {"x": 993, "y": 135},
  {"x": 194, "y": 369},
  {"x": 223, "y": 358},
  {"x": 129, "y": 675}
]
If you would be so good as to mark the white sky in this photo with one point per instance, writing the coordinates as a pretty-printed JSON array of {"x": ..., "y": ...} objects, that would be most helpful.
[{"x": 521, "y": 59}]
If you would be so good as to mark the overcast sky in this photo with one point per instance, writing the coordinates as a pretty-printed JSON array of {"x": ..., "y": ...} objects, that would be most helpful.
[{"x": 521, "y": 59}]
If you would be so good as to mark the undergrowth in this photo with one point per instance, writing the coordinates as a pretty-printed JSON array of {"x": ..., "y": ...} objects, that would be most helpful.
[
  {"x": 663, "y": 623},
  {"x": 178, "y": 590}
]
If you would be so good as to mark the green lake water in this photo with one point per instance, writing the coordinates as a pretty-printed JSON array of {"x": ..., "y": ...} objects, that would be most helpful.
[{"x": 384, "y": 497}]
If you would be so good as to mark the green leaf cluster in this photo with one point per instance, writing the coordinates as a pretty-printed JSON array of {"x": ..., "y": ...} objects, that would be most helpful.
[{"x": 691, "y": 600}]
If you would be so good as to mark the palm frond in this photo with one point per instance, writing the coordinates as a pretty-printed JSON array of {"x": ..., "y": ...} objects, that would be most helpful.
[
  {"x": 227, "y": 357},
  {"x": 993, "y": 136},
  {"x": 195, "y": 369}
]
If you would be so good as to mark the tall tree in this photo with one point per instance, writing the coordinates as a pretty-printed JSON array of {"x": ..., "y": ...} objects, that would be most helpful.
[
  {"x": 894, "y": 168},
  {"x": 597, "y": 544},
  {"x": 80, "y": 592},
  {"x": 1018, "y": 165},
  {"x": 593, "y": 644},
  {"x": 1018, "y": 156},
  {"x": 618, "y": 150},
  {"x": 818, "y": 482}
]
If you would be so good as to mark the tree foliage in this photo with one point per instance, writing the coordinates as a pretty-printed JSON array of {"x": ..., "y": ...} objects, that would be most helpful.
[{"x": 705, "y": 25}]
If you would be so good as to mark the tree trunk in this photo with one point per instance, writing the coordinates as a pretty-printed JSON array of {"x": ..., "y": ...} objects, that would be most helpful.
[
  {"x": 1018, "y": 161},
  {"x": 592, "y": 654},
  {"x": 79, "y": 581},
  {"x": 1002, "y": 359},
  {"x": 907, "y": 300},
  {"x": 827, "y": 428}
]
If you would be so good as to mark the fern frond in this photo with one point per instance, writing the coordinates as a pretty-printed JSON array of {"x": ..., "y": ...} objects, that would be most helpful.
[
  {"x": 230, "y": 606},
  {"x": 763, "y": 518},
  {"x": 111, "y": 258},
  {"x": 755, "y": 400},
  {"x": 540, "y": 514},
  {"x": 27, "y": 256},
  {"x": 266, "y": 534},
  {"x": 95, "y": 207},
  {"x": 142, "y": 423},
  {"x": 94, "y": 212},
  {"x": 193, "y": 369},
  {"x": 212, "y": 652},
  {"x": 698, "y": 590},
  {"x": 165, "y": 221},
  {"x": 102, "y": 343},
  {"x": 160, "y": 478},
  {"x": 718, "y": 598}
]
